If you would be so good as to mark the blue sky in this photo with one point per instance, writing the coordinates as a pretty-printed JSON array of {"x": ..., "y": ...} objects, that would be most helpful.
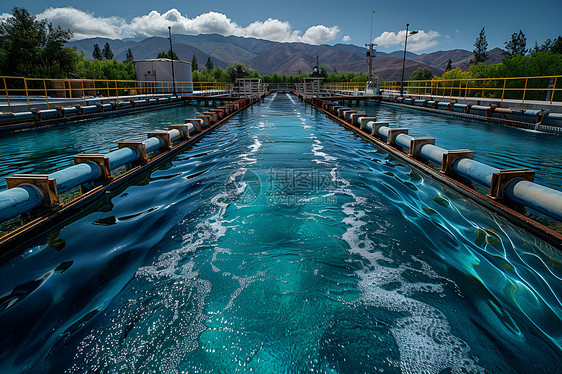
[{"x": 442, "y": 25}]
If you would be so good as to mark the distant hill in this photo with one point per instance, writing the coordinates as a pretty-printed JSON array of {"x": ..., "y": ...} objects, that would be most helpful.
[{"x": 284, "y": 58}]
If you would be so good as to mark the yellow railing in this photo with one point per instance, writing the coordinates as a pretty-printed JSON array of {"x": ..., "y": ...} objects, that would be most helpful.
[
  {"x": 542, "y": 88},
  {"x": 344, "y": 86},
  {"x": 54, "y": 91},
  {"x": 211, "y": 86}
]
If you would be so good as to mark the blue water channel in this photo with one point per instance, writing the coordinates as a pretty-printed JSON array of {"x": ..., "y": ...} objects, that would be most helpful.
[
  {"x": 497, "y": 145},
  {"x": 282, "y": 242},
  {"x": 48, "y": 149}
]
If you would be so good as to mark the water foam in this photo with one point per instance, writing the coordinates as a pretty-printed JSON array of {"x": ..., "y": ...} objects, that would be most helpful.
[{"x": 424, "y": 337}]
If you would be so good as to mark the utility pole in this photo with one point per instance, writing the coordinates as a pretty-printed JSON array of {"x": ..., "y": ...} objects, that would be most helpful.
[
  {"x": 404, "y": 60},
  {"x": 172, "y": 58},
  {"x": 370, "y": 54}
]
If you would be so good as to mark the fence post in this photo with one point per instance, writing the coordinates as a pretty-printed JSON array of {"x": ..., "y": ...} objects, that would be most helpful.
[
  {"x": 551, "y": 96},
  {"x": 83, "y": 92},
  {"x": 525, "y": 90},
  {"x": 26, "y": 93},
  {"x": 503, "y": 90},
  {"x": 46, "y": 95},
  {"x": 116, "y": 91},
  {"x": 7, "y": 94}
]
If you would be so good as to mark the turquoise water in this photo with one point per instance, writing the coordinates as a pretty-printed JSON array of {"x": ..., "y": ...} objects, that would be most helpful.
[
  {"x": 48, "y": 149},
  {"x": 282, "y": 242},
  {"x": 497, "y": 145}
]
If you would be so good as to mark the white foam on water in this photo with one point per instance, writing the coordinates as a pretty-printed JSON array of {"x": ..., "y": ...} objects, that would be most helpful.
[
  {"x": 316, "y": 151},
  {"x": 254, "y": 147},
  {"x": 217, "y": 251},
  {"x": 244, "y": 283},
  {"x": 424, "y": 337},
  {"x": 170, "y": 297}
]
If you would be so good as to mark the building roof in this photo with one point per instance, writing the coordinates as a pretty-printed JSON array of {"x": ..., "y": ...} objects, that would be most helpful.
[{"x": 163, "y": 60}]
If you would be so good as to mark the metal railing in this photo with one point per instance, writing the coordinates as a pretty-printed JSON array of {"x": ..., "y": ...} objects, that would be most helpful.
[
  {"x": 50, "y": 91},
  {"x": 540, "y": 88},
  {"x": 345, "y": 86}
]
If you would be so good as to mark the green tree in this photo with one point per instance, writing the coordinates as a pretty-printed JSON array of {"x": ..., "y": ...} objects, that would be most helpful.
[
  {"x": 481, "y": 48},
  {"x": 549, "y": 45},
  {"x": 30, "y": 46},
  {"x": 170, "y": 54},
  {"x": 557, "y": 45},
  {"x": 421, "y": 74},
  {"x": 194, "y": 66},
  {"x": 209, "y": 64},
  {"x": 129, "y": 56},
  {"x": 449, "y": 65},
  {"x": 517, "y": 44},
  {"x": 96, "y": 54},
  {"x": 107, "y": 52}
]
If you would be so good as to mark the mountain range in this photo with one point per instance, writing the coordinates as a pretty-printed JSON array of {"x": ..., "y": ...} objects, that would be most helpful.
[{"x": 283, "y": 58}]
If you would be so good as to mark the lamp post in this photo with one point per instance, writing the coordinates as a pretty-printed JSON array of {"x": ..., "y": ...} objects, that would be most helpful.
[
  {"x": 370, "y": 54},
  {"x": 404, "y": 60},
  {"x": 172, "y": 58}
]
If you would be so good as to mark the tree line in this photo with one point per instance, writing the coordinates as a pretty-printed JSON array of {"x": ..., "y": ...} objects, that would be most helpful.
[
  {"x": 518, "y": 61},
  {"x": 35, "y": 48}
]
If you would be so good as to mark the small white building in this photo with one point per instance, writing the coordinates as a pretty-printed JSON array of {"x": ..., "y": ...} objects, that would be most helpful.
[{"x": 157, "y": 74}]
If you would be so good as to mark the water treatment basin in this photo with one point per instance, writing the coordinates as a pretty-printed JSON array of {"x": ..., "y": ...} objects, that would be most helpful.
[{"x": 281, "y": 242}]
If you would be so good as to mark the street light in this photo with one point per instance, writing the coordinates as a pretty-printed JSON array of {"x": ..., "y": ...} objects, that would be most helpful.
[
  {"x": 370, "y": 53},
  {"x": 172, "y": 58},
  {"x": 404, "y": 61}
]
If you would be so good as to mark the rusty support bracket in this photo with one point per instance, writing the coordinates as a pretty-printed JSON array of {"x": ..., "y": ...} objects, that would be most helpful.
[
  {"x": 47, "y": 186},
  {"x": 501, "y": 179},
  {"x": 355, "y": 116},
  {"x": 164, "y": 135},
  {"x": 219, "y": 112},
  {"x": 450, "y": 157},
  {"x": 364, "y": 121},
  {"x": 138, "y": 146},
  {"x": 467, "y": 109},
  {"x": 376, "y": 127},
  {"x": 60, "y": 109},
  {"x": 328, "y": 106},
  {"x": 335, "y": 109},
  {"x": 98, "y": 159},
  {"x": 36, "y": 114},
  {"x": 417, "y": 142},
  {"x": 207, "y": 120},
  {"x": 181, "y": 128},
  {"x": 213, "y": 115},
  {"x": 393, "y": 133}
]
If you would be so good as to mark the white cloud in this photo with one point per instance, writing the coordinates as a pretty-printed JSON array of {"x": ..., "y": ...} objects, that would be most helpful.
[
  {"x": 320, "y": 34},
  {"x": 346, "y": 38},
  {"x": 417, "y": 42},
  {"x": 86, "y": 25}
]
